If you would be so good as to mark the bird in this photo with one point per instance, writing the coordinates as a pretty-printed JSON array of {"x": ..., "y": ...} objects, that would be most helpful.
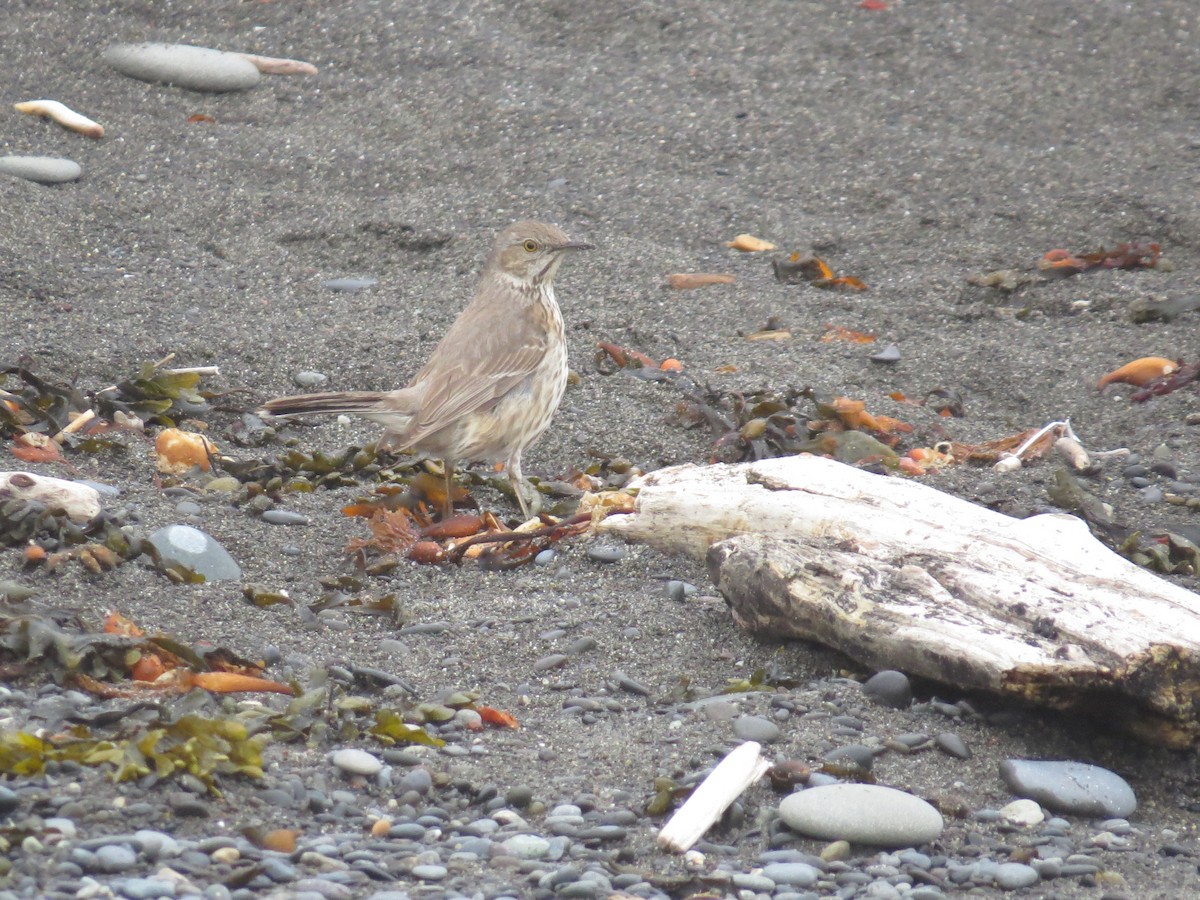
[{"x": 494, "y": 381}]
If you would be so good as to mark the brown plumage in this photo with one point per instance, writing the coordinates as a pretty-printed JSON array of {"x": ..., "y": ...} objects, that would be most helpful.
[{"x": 494, "y": 381}]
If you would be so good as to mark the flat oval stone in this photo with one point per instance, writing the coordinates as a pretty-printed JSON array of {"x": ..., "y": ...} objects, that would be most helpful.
[
  {"x": 1070, "y": 787},
  {"x": 185, "y": 66},
  {"x": 191, "y": 547},
  {"x": 357, "y": 762},
  {"x": 862, "y": 814},
  {"x": 42, "y": 169}
]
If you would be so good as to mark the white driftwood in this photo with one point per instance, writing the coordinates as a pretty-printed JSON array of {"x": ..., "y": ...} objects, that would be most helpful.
[
  {"x": 80, "y": 502},
  {"x": 900, "y": 575},
  {"x": 739, "y": 769}
]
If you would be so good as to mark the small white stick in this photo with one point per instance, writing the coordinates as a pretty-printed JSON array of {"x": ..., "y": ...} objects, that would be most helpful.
[
  {"x": 63, "y": 115},
  {"x": 195, "y": 370},
  {"x": 75, "y": 424},
  {"x": 274, "y": 66},
  {"x": 739, "y": 769}
]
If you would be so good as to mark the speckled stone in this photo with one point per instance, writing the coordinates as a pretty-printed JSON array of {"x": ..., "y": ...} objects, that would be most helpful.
[{"x": 862, "y": 814}]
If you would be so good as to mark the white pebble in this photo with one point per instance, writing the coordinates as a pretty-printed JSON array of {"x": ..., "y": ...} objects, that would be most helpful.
[
  {"x": 42, "y": 169},
  {"x": 863, "y": 814},
  {"x": 357, "y": 762}
]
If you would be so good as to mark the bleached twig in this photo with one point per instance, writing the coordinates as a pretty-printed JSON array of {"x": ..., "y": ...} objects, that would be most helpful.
[
  {"x": 274, "y": 66},
  {"x": 739, "y": 769},
  {"x": 63, "y": 115}
]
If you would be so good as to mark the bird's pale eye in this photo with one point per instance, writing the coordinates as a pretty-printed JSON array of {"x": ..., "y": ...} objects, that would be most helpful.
[{"x": 530, "y": 245}]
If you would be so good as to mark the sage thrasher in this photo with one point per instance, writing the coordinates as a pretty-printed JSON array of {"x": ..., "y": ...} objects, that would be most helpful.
[{"x": 494, "y": 381}]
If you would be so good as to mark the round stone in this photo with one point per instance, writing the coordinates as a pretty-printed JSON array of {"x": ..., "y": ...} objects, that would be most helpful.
[
  {"x": 1022, "y": 813},
  {"x": 755, "y": 728},
  {"x": 526, "y": 846},
  {"x": 889, "y": 687},
  {"x": 185, "y": 66},
  {"x": 1014, "y": 876},
  {"x": 42, "y": 169},
  {"x": 1070, "y": 787},
  {"x": 191, "y": 547},
  {"x": 862, "y": 814},
  {"x": 357, "y": 762},
  {"x": 284, "y": 517},
  {"x": 794, "y": 874}
]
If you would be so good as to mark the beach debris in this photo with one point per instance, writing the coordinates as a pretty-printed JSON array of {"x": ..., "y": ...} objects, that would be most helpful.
[
  {"x": 80, "y": 502},
  {"x": 1140, "y": 372},
  {"x": 687, "y": 281},
  {"x": 748, "y": 243},
  {"x": 803, "y": 267},
  {"x": 1135, "y": 255},
  {"x": 271, "y": 65},
  {"x": 738, "y": 770},
  {"x": 179, "y": 451},
  {"x": 63, "y": 115}
]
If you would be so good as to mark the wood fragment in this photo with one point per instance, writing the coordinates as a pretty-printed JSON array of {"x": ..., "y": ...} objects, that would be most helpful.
[
  {"x": 271, "y": 65},
  {"x": 739, "y": 769},
  {"x": 63, "y": 115},
  {"x": 900, "y": 575},
  {"x": 687, "y": 281}
]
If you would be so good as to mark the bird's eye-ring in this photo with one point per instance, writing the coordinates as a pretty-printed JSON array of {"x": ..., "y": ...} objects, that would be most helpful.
[{"x": 530, "y": 245}]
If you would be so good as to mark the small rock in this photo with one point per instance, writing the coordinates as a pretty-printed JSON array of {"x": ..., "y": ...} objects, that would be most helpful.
[
  {"x": 309, "y": 380},
  {"x": 349, "y": 285},
  {"x": 889, "y": 687},
  {"x": 1014, "y": 876},
  {"x": 191, "y": 547},
  {"x": 756, "y": 728},
  {"x": 889, "y": 354},
  {"x": 193, "y": 68},
  {"x": 792, "y": 874},
  {"x": 42, "y": 169},
  {"x": 283, "y": 517},
  {"x": 862, "y": 814},
  {"x": 605, "y": 554},
  {"x": 1070, "y": 787},
  {"x": 1022, "y": 813},
  {"x": 952, "y": 745},
  {"x": 357, "y": 762},
  {"x": 526, "y": 846}
]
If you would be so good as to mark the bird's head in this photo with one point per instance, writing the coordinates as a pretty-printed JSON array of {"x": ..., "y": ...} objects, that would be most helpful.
[{"x": 530, "y": 252}]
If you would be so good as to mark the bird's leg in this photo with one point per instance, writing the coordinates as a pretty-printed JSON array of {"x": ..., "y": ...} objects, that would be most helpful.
[
  {"x": 448, "y": 474},
  {"x": 519, "y": 484}
]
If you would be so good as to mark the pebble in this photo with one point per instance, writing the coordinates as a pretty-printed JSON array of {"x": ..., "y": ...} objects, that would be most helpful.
[
  {"x": 194, "y": 68},
  {"x": 193, "y": 548},
  {"x": 756, "y": 728},
  {"x": 283, "y": 517},
  {"x": 114, "y": 858},
  {"x": 792, "y": 874},
  {"x": 1070, "y": 787},
  {"x": 357, "y": 762},
  {"x": 1013, "y": 876},
  {"x": 1022, "y": 813},
  {"x": 889, "y": 687},
  {"x": 604, "y": 553},
  {"x": 862, "y": 814},
  {"x": 349, "y": 285},
  {"x": 889, "y": 354},
  {"x": 309, "y": 380},
  {"x": 952, "y": 745},
  {"x": 147, "y": 888},
  {"x": 526, "y": 846},
  {"x": 8, "y": 800},
  {"x": 42, "y": 169}
]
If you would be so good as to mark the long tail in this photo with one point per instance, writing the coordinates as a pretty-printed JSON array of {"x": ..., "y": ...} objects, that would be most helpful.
[{"x": 332, "y": 403}]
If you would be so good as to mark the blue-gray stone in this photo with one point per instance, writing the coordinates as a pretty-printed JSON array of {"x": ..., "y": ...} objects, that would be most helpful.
[
  {"x": 42, "y": 169},
  {"x": 794, "y": 874},
  {"x": 756, "y": 728},
  {"x": 1070, "y": 787},
  {"x": 114, "y": 858},
  {"x": 191, "y": 547},
  {"x": 1013, "y": 876},
  {"x": 349, "y": 285},
  {"x": 147, "y": 888}
]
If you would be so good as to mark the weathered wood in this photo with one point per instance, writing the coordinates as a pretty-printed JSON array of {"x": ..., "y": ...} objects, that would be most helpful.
[{"x": 900, "y": 575}]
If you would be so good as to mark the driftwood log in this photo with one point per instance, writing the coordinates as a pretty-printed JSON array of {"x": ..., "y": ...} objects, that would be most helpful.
[{"x": 897, "y": 574}]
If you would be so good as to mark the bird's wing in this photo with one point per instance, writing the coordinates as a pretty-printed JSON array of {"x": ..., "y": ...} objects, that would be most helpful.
[{"x": 475, "y": 365}]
